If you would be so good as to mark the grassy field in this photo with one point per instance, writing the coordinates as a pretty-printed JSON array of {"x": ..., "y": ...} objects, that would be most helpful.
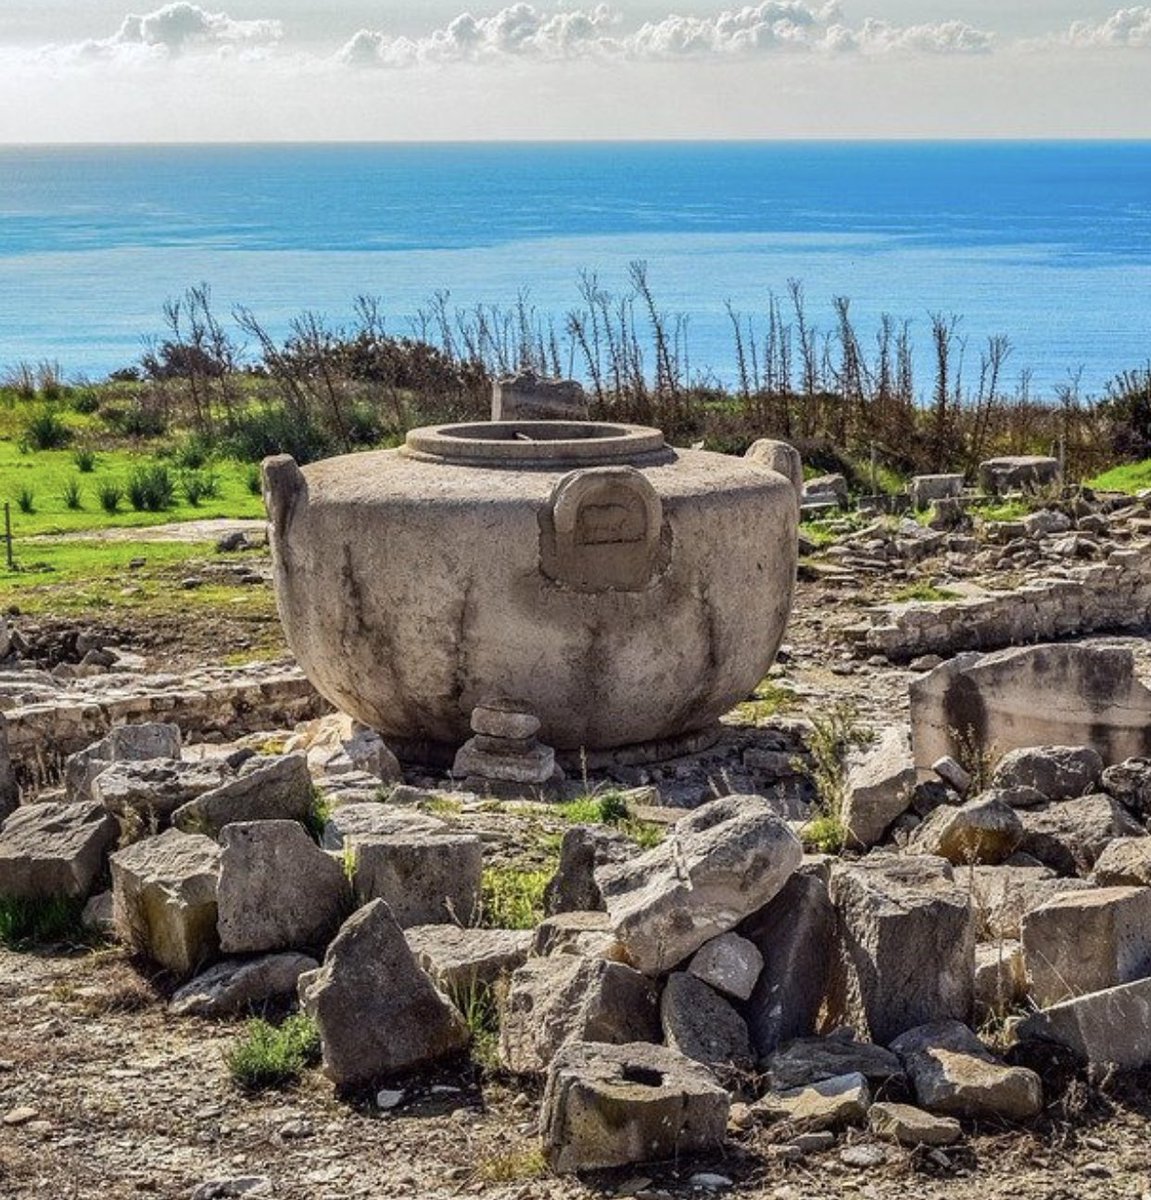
[{"x": 1130, "y": 478}]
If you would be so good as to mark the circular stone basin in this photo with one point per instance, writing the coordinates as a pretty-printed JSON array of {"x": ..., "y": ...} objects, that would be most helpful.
[{"x": 623, "y": 591}]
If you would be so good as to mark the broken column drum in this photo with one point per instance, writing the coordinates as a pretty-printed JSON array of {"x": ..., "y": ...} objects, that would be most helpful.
[{"x": 623, "y": 591}]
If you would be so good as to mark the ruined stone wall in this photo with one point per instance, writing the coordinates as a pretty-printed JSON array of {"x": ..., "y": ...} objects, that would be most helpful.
[{"x": 1103, "y": 597}]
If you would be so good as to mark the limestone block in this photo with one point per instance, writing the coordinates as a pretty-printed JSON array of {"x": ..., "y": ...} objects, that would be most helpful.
[
  {"x": 1002, "y": 895},
  {"x": 54, "y": 849},
  {"x": 911, "y": 1126},
  {"x": 700, "y": 1024},
  {"x": 164, "y": 891},
  {"x": 984, "y": 830},
  {"x": 828, "y": 1104},
  {"x": 426, "y": 878},
  {"x": 501, "y": 718},
  {"x": 1087, "y": 942},
  {"x": 460, "y": 960},
  {"x": 906, "y": 955},
  {"x": 266, "y": 789},
  {"x": 241, "y": 985},
  {"x": 584, "y": 849},
  {"x": 879, "y": 789},
  {"x": 611, "y": 1106},
  {"x": 718, "y": 865},
  {"x": 1013, "y": 473},
  {"x": 925, "y": 490},
  {"x": 351, "y": 822},
  {"x": 1065, "y": 694},
  {"x": 1108, "y": 1027},
  {"x": 827, "y": 487},
  {"x": 1130, "y": 783},
  {"x": 1124, "y": 862},
  {"x": 1000, "y": 978},
  {"x": 125, "y": 743},
  {"x": 1058, "y": 772},
  {"x": 554, "y": 1001},
  {"x": 808, "y": 1060},
  {"x": 584, "y": 933},
  {"x": 729, "y": 963},
  {"x": 530, "y": 397},
  {"x": 377, "y": 1012},
  {"x": 1069, "y": 837},
  {"x": 792, "y": 933},
  {"x": 1046, "y": 522},
  {"x": 953, "y": 1073},
  {"x": 278, "y": 890},
  {"x": 150, "y": 790}
]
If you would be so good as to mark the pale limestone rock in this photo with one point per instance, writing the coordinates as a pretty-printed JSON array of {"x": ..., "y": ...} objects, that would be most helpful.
[
  {"x": 808, "y": 1060},
  {"x": 1070, "y": 836},
  {"x": 266, "y": 789},
  {"x": 460, "y": 960},
  {"x": 1107, "y": 1027},
  {"x": 241, "y": 985},
  {"x": 1058, "y": 772},
  {"x": 1125, "y": 862},
  {"x": 611, "y": 1106},
  {"x": 350, "y": 822},
  {"x": 1000, "y": 977},
  {"x": 827, "y": 1104},
  {"x": 984, "y": 830},
  {"x": 1002, "y": 895},
  {"x": 729, "y": 963},
  {"x": 54, "y": 849},
  {"x": 126, "y": 743},
  {"x": 150, "y": 790},
  {"x": 879, "y": 789},
  {"x": 426, "y": 878},
  {"x": 911, "y": 1126}
]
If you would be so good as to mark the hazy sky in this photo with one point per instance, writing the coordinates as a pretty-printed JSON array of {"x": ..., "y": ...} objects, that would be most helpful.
[{"x": 93, "y": 70}]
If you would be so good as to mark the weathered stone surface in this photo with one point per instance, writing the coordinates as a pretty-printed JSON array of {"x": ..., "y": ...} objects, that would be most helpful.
[
  {"x": 461, "y": 959},
  {"x": 126, "y": 743},
  {"x": 1059, "y": 772},
  {"x": 584, "y": 933},
  {"x": 535, "y": 763},
  {"x": 1130, "y": 783},
  {"x": 984, "y": 830},
  {"x": 1002, "y": 895},
  {"x": 531, "y": 397},
  {"x": 99, "y": 915},
  {"x": 164, "y": 891},
  {"x": 377, "y": 1012},
  {"x": 426, "y": 878},
  {"x": 1046, "y": 523},
  {"x": 278, "y": 890},
  {"x": 621, "y": 637},
  {"x": 504, "y": 719},
  {"x": 719, "y": 864},
  {"x": 266, "y": 789},
  {"x": 1125, "y": 862},
  {"x": 911, "y": 1126},
  {"x": 1070, "y": 836},
  {"x": 337, "y": 744},
  {"x": 906, "y": 945},
  {"x": 1091, "y": 698},
  {"x": 554, "y": 1001},
  {"x": 828, "y": 1104},
  {"x": 879, "y": 788},
  {"x": 808, "y": 1060},
  {"x": 9, "y": 791},
  {"x": 953, "y": 774},
  {"x": 1019, "y": 472},
  {"x": 608, "y": 1106},
  {"x": 729, "y": 963},
  {"x": 1087, "y": 942},
  {"x": 54, "y": 849},
  {"x": 792, "y": 934},
  {"x": 351, "y": 822},
  {"x": 699, "y": 1023},
  {"x": 826, "y": 487},
  {"x": 924, "y": 490},
  {"x": 152, "y": 789},
  {"x": 241, "y": 985},
  {"x": 781, "y": 457},
  {"x": 1111, "y": 1026},
  {"x": 584, "y": 848},
  {"x": 1000, "y": 978},
  {"x": 953, "y": 1073}
]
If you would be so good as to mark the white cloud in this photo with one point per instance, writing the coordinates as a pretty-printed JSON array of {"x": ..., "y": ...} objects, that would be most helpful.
[
  {"x": 169, "y": 31},
  {"x": 1128, "y": 27},
  {"x": 523, "y": 31}
]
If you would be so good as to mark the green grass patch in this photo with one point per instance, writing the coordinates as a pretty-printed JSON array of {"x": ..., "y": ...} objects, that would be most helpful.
[
  {"x": 926, "y": 592},
  {"x": 824, "y": 835},
  {"x": 36, "y": 921},
  {"x": 611, "y": 808},
  {"x": 1129, "y": 478},
  {"x": 274, "y": 1056},
  {"x": 441, "y": 806},
  {"x": 1006, "y": 510},
  {"x": 514, "y": 1166},
  {"x": 512, "y": 898},
  {"x": 480, "y": 1006},
  {"x": 47, "y": 474},
  {"x": 817, "y": 533},
  {"x": 769, "y": 700}
]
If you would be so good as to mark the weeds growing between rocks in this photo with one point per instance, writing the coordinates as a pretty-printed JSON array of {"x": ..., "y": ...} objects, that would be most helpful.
[
  {"x": 274, "y": 1056},
  {"x": 511, "y": 898},
  {"x": 26, "y": 922}
]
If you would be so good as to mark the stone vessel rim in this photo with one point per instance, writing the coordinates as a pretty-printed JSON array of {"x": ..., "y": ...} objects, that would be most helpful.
[{"x": 519, "y": 443}]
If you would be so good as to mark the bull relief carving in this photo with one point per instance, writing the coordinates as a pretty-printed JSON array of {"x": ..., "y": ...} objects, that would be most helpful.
[{"x": 601, "y": 530}]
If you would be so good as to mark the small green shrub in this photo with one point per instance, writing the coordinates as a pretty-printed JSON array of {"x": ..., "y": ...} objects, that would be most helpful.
[
  {"x": 45, "y": 431},
  {"x": 136, "y": 421},
  {"x": 151, "y": 489},
  {"x": 273, "y": 1056},
  {"x": 200, "y": 485},
  {"x": 26, "y": 922},
  {"x": 824, "y": 835},
  {"x": 480, "y": 1007},
  {"x": 85, "y": 460},
  {"x": 71, "y": 495},
  {"x": 26, "y": 500},
  {"x": 254, "y": 480},
  {"x": 84, "y": 401},
  {"x": 110, "y": 495},
  {"x": 512, "y": 898},
  {"x": 193, "y": 453}
]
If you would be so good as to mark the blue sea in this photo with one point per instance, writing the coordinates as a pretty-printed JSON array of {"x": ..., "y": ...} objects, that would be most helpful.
[{"x": 1046, "y": 243}]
